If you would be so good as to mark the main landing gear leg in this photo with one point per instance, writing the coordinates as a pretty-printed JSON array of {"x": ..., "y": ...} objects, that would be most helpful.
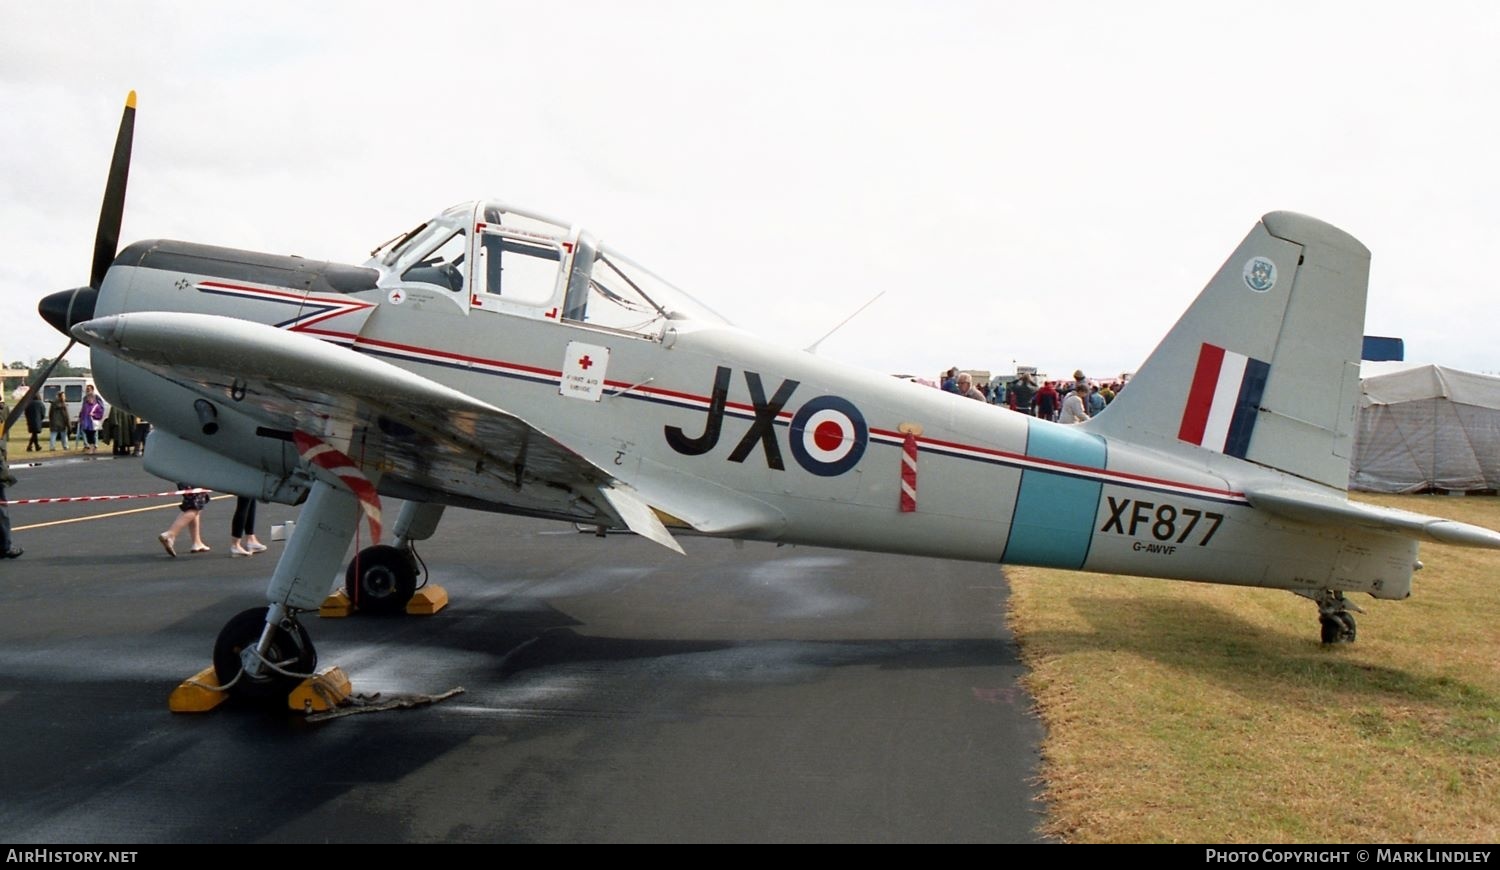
[
  {"x": 1335, "y": 617},
  {"x": 265, "y": 652},
  {"x": 381, "y": 579}
]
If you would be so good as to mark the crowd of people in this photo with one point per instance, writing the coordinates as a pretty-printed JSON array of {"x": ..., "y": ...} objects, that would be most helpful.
[
  {"x": 129, "y": 437},
  {"x": 1059, "y": 401},
  {"x": 125, "y": 431}
]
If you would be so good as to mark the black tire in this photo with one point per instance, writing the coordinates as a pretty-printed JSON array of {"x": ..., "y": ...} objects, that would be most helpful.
[
  {"x": 1348, "y": 632},
  {"x": 381, "y": 580},
  {"x": 1332, "y": 628},
  {"x": 293, "y": 651}
]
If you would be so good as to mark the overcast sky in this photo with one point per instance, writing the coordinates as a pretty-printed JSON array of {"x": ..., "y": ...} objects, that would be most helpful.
[{"x": 1042, "y": 184}]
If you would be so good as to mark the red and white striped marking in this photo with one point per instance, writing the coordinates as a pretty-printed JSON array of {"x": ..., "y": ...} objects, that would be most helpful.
[
  {"x": 909, "y": 473},
  {"x": 72, "y": 498},
  {"x": 317, "y": 452}
]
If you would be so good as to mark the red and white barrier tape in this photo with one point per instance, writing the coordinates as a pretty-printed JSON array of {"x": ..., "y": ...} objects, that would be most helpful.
[{"x": 72, "y": 498}]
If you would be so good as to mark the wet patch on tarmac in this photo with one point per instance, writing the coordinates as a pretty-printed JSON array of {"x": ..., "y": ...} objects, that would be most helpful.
[{"x": 614, "y": 692}]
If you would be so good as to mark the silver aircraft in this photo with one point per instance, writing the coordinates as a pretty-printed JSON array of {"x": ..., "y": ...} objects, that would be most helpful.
[{"x": 496, "y": 359}]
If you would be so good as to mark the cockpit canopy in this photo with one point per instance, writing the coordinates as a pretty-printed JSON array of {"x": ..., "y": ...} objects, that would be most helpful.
[{"x": 492, "y": 257}]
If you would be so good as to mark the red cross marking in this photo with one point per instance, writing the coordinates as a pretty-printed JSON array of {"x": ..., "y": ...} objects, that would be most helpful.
[{"x": 586, "y": 362}]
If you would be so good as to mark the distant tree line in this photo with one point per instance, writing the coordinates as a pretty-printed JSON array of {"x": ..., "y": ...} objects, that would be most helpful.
[{"x": 64, "y": 369}]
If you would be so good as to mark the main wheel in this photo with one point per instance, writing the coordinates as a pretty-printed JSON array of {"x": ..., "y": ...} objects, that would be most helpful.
[
  {"x": 381, "y": 579},
  {"x": 1337, "y": 627},
  {"x": 290, "y": 650},
  {"x": 1330, "y": 627}
]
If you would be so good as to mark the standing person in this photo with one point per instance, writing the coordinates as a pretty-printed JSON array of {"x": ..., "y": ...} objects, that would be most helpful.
[
  {"x": 192, "y": 506},
  {"x": 949, "y": 382},
  {"x": 1046, "y": 401},
  {"x": 60, "y": 421},
  {"x": 8, "y": 548},
  {"x": 242, "y": 529},
  {"x": 965, "y": 383},
  {"x": 1072, "y": 408},
  {"x": 36, "y": 412},
  {"x": 1096, "y": 401},
  {"x": 88, "y": 420},
  {"x": 1022, "y": 394},
  {"x": 120, "y": 429},
  {"x": 142, "y": 429}
]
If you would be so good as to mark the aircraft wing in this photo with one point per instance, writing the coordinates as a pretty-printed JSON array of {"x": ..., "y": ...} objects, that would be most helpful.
[
  {"x": 423, "y": 436},
  {"x": 1311, "y": 507}
]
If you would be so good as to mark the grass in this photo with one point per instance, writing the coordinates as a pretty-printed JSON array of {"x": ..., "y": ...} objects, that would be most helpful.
[
  {"x": 1185, "y": 713},
  {"x": 18, "y": 440}
]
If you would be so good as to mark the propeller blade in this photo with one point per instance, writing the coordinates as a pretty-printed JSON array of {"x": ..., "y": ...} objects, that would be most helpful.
[
  {"x": 36, "y": 381},
  {"x": 112, "y": 212}
]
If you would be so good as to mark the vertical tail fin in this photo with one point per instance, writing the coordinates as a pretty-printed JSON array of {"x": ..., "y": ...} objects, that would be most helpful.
[{"x": 1264, "y": 365}]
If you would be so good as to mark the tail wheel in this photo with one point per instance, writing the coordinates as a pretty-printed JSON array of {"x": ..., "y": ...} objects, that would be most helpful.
[
  {"x": 291, "y": 650},
  {"x": 381, "y": 579}
]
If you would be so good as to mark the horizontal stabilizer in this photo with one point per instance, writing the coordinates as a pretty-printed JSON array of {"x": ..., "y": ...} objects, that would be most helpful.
[{"x": 1310, "y": 507}]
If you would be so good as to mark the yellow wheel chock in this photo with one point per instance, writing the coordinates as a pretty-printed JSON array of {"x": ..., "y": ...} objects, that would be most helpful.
[
  {"x": 198, "y": 693},
  {"x": 425, "y": 602}
]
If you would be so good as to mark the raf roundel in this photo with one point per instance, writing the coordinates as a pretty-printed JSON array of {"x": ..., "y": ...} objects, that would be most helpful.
[{"x": 828, "y": 436}]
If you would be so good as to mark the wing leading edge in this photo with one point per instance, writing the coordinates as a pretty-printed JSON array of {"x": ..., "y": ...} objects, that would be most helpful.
[{"x": 420, "y": 434}]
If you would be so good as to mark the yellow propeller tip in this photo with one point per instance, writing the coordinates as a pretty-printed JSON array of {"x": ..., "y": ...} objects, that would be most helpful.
[{"x": 130, "y": 100}]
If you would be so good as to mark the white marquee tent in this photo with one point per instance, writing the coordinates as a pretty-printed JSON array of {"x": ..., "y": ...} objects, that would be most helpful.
[{"x": 1426, "y": 427}]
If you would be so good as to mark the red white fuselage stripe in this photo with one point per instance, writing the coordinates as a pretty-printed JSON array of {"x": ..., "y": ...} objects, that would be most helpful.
[
  {"x": 323, "y": 308},
  {"x": 741, "y": 409},
  {"x": 317, "y": 452},
  {"x": 488, "y": 365},
  {"x": 1021, "y": 460}
]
